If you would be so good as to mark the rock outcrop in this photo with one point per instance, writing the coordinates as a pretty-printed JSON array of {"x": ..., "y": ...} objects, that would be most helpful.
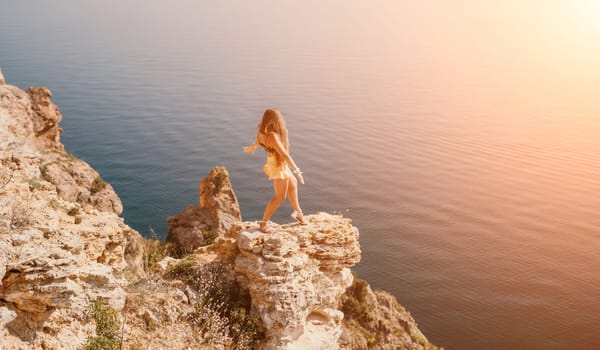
[
  {"x": 46, "y": 119},
  {"x": 300, "y": 285},
  {"x": 375, "y": 320},
  {"x": 62, "y": 243},
  {"x": 29, "y": 133},
  {"x": 217, "y": 212},
  {"x": 296, "y": 276}
]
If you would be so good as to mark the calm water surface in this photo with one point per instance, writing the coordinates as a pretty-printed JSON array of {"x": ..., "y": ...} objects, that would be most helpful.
[{"x": 462, "y": 140}]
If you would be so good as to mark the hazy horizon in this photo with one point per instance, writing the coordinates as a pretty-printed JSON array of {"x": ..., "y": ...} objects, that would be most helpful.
[{"x": 462, "y": 138}]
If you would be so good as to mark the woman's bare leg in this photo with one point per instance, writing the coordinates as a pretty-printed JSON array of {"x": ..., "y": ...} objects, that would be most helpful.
[
  {"x": 280, "y": 188},
  {"x": 292, "y": 193}
]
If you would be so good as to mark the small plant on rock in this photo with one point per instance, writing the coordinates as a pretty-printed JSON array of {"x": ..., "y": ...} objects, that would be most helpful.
[
  {"x": 155, "y": 251},
  {"x": 107, "y": 328},
  {"x": 355, "y": 304},
  {"x": 219, "y": 181},
  {"x": 34, "y": 185},
  {"x": 209, "y": 235},
  {"x": 223, "y": 308},
  {"x": 73, "y": 211},
  {"x": 20, "y": 213},
  {"x": 97, "y": 185}
]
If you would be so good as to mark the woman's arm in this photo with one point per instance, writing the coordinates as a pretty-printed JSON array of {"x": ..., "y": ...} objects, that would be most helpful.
[{"x": 252, "y": 148}]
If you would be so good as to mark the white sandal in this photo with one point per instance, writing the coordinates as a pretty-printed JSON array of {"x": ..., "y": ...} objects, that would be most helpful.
[
  {"x": 298, "y": 216},
  {"x": 263, "y": 227}
]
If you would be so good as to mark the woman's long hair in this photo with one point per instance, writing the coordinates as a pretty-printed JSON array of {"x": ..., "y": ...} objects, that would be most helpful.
[{"x": 272, "y": 121}]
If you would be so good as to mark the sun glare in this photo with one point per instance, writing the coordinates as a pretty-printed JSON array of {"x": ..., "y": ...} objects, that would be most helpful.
[{"x": 587, "y": 14}]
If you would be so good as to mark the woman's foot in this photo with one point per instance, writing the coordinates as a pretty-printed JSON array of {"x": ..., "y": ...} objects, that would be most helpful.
[
  {"x": 298, "y": 216},
  {"x": 263, "y": 227}
]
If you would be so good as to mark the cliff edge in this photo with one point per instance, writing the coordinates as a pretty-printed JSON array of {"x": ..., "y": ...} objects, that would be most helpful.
[
  {"x": 62, "y": 242},
  {"x": 73, "y": 275},
  {"x": 296, "y": 276}
]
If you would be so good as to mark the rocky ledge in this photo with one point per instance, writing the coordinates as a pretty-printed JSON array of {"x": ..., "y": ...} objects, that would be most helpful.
[
  {"x": 73, "y": 275},
  {"x": 296, "y": 276},
  {"x": 300, "y": 285}
]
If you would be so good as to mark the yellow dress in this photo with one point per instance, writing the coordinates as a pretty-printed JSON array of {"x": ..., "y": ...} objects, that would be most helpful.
[{"x": 274, "y": 171}]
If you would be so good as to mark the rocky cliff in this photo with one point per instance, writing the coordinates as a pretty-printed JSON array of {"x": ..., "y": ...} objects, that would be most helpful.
[
  {"x": 73, "y": 275},
  {"x": 296, "y": 276},
  {"x": 62, "y": 242}
]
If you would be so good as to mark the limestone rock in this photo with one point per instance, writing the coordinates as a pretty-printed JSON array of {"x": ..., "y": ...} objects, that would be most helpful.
[
  {"x": 3, "y": 260},
  {"x": 157, "y": 311},
  {"x": 296, "y": 276},
  {"x": 134, "y": 255},
  {"x": 29, "y": 133},
  {"x": 77, "y": 181},
  {"x": 375, "y": 320},
  {"x": 6, "y": 316},
  {"x": 189, "y": 228},
  {"x": 216, "y": 194},
  {"x": 62, "y": 243},
  {"x": 46, "y": 118},
  {"x": 2, "y": 81},
  {"x": 218, "y": 211},
  {"x": 165, "y": 263}
]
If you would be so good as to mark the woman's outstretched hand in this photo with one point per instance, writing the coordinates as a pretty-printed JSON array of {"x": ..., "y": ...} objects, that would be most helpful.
[
  {"x": 250, "y": 149},
  {"x": 300, "y": 178}
]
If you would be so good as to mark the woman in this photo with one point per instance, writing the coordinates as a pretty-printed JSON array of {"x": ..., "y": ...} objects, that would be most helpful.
[{"x": 272, "y": 135}]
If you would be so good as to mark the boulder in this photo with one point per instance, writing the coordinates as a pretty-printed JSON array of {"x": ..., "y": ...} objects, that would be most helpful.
[
  {"x": 216, "y": 214},
  {"x": 77, "y": 181}
]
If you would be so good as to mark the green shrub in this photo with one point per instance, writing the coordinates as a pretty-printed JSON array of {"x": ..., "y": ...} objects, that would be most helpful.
[
  {"x": 371, "y": 341},
  {"x": 210, "y": 234},
  {"x": 219, "y": 180},
  {"x": 102, "y": 343},
  {"x": 355, "y": 304},
  {"x": 176, "y": 251},
  {"x": 34, "y": 185},
  {"x": 184, "y": 270},
  {"x": 223, "y": 308},
  {"x": 20, "y": 213},
  {"x": 245, "y": 328},
  {"x": 107, "y": 319},
  {"x": 107, "y": 327},
  {"x": 97, "y": 185},
  {"x": 154, "y": 251},
  {"x": 44, "y": 172}
]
